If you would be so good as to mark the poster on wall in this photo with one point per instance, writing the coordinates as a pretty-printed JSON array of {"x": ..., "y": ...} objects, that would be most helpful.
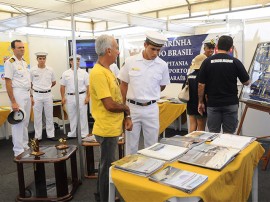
[
  {"x": 259, "y": 89},
  {"x": 179, "y": 52},
  {"x": 5, "y": 54}
]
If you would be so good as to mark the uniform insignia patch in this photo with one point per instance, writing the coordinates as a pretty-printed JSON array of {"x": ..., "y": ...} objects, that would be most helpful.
[
  {"x": 11, "y": 60},
  {"x": 135, "y": 69}
]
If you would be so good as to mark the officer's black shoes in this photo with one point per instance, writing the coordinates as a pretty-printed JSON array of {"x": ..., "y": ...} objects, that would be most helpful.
[
  {"x": 71, "y": 138},
  {"x": 52, "y": 138}
]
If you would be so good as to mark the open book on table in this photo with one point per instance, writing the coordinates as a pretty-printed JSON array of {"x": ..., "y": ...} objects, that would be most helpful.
[
  {"x": 233, "y": 141},
  {"x": 182, "y": 141},
  {"x": 180, "y": 179},
  {"x": 209, "y": 156},
  {"x": 138, "y": 164},
  {"x": 206, "y": 136},
  {"x": 163, "y": 151}
]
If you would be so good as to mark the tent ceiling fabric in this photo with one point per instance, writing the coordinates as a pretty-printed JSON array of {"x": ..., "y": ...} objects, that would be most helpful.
[{"x": 157, "y": 14}]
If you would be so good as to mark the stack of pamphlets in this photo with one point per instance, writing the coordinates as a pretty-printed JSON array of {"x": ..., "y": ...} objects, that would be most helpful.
[
  {"x": 233, "y": 141},
  {"x": 180, "y": 179},
  {"x": 163, "y": 151},
  {"x": 209, "y": 156},
  {"x": 138, "y": 164},
  {"x": 182, "y": 141},
  {"x": 206, "y": 136}
]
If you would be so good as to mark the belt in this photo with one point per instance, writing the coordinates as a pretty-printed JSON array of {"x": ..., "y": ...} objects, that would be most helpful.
[
  {"x": 142, "y": 104},
  {"x": 74, "y": 93},
  {"x": 46, "y": 91}
]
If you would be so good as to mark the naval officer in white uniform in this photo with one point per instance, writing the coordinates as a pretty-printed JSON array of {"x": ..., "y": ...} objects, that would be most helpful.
[
  {"x": 17, "y": 78},
  {"x": 67, "y": 90},
  {"x": 43, "y": 79},
  {"x": 143, "y": 77}
]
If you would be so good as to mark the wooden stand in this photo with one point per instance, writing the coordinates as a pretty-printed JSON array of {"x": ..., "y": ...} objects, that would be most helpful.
[
  {"x": 91, "y": 171},
  {"x": 260, "y": 107},
  {"x": 59, "y": 188}
]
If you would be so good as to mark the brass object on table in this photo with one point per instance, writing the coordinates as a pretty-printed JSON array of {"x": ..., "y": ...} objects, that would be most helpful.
[
  {"x": 34, "y": 144},
  {"x": 63, "y": 144}
]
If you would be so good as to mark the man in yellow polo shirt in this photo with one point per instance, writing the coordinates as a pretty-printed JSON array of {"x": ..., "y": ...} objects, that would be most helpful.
[{"x": 108, "y": 110}]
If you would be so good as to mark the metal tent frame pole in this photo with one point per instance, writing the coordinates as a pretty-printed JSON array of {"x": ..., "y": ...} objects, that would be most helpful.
[{"x": 79, "y": 138}]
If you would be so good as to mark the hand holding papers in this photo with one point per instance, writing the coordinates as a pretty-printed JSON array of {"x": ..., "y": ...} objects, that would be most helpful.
[{"x": 179, "y": 179}]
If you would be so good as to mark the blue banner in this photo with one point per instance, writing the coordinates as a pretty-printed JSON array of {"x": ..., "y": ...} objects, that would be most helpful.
[{"x": 179, "y": 52}]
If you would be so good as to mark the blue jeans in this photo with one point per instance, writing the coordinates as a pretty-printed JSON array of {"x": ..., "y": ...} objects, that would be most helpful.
[
  {"x": 226, "y": 116},
  {"x": 108, "y": 154}
]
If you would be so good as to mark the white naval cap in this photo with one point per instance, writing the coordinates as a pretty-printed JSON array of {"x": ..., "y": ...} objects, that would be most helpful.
[
  {"x": 155, "y": 38},
  {"x": 211, "y": 43},
  {"x": 77, "y": 56},
  {"x": 16, "y": 117},
  {"x": 41, "y": 54}
]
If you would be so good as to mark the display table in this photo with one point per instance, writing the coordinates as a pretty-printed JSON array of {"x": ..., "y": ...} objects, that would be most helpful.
[
  {"x": 91, "y": 171},
  {"x": 168, "y": 113},
  {"x": 4, "y": 112},
  {"x": 42, "y": 189},
  {"x": 233, "y": 183}
]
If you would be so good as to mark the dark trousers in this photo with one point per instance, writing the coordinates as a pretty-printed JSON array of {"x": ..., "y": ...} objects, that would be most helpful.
[
  {"x": 226, "y": 116},
  {"x": 108, "y": 153}
]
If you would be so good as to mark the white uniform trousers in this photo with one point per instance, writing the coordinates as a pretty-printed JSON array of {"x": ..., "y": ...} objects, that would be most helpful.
[
  {"x": 43, "y": 101},
  {"x": 20, "y": 130},
  {"x": 72, "y": 115},
  {"x": 145, "y": 118}
]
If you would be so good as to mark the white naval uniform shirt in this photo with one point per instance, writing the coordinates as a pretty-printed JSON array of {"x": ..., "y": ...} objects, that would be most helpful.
[
  {"x": 18, "y": 72},
  {"x": 115, "y": 70},
  {"x": 67, "y": 80},
  {"x": 144, "y": 77},
  {"x": 42, "y": 78}
]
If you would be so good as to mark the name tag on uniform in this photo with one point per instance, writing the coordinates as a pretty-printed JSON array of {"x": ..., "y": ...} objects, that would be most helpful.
[{"x": 135, "y": 69}]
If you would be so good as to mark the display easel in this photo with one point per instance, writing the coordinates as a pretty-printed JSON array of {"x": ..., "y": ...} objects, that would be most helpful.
[{"x": 257, "y": 106}]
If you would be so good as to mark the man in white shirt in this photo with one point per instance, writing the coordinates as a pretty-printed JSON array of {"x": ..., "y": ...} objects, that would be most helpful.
[
  {"x": 17, "y": 78},
  {"x": 43, "y": 79},
  {"x": 142, "y": 77},
  {"x": 67, "y": 90}
]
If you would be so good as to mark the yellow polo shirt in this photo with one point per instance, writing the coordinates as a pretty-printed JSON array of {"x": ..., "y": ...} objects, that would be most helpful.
[{"x": 104, "y": 84}]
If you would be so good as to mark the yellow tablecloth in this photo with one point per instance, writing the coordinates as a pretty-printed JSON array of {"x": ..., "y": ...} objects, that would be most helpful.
[
  {"x": 168, "y": 112},
  {"x": 4, "y": 112},
  {"x": 233, "y": 183}
]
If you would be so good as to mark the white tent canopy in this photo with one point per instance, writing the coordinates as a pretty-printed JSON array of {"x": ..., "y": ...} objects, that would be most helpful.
[{"x": 94, "y": 16}]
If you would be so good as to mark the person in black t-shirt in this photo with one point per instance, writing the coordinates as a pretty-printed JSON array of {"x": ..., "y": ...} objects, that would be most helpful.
[
  {"x": 197, "y": 121},
  {"x": 218, "y": 79}
]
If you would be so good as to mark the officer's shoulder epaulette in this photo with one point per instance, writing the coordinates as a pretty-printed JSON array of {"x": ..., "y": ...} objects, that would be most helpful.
[{"x": 11, "y": 60}]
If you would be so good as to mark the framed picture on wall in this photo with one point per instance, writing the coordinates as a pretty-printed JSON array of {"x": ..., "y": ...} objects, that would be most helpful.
[
  {"x": 259, "y": 89},
  {"x": 86, "y": 48}
]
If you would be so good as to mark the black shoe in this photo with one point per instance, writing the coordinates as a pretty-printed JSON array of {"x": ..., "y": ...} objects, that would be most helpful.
[
  {"x": 40, "y": 140},
  {"x": 70, "y": 138},
  {"x": 97, "y": 197},
  {"x": 52, "y": 139}
]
